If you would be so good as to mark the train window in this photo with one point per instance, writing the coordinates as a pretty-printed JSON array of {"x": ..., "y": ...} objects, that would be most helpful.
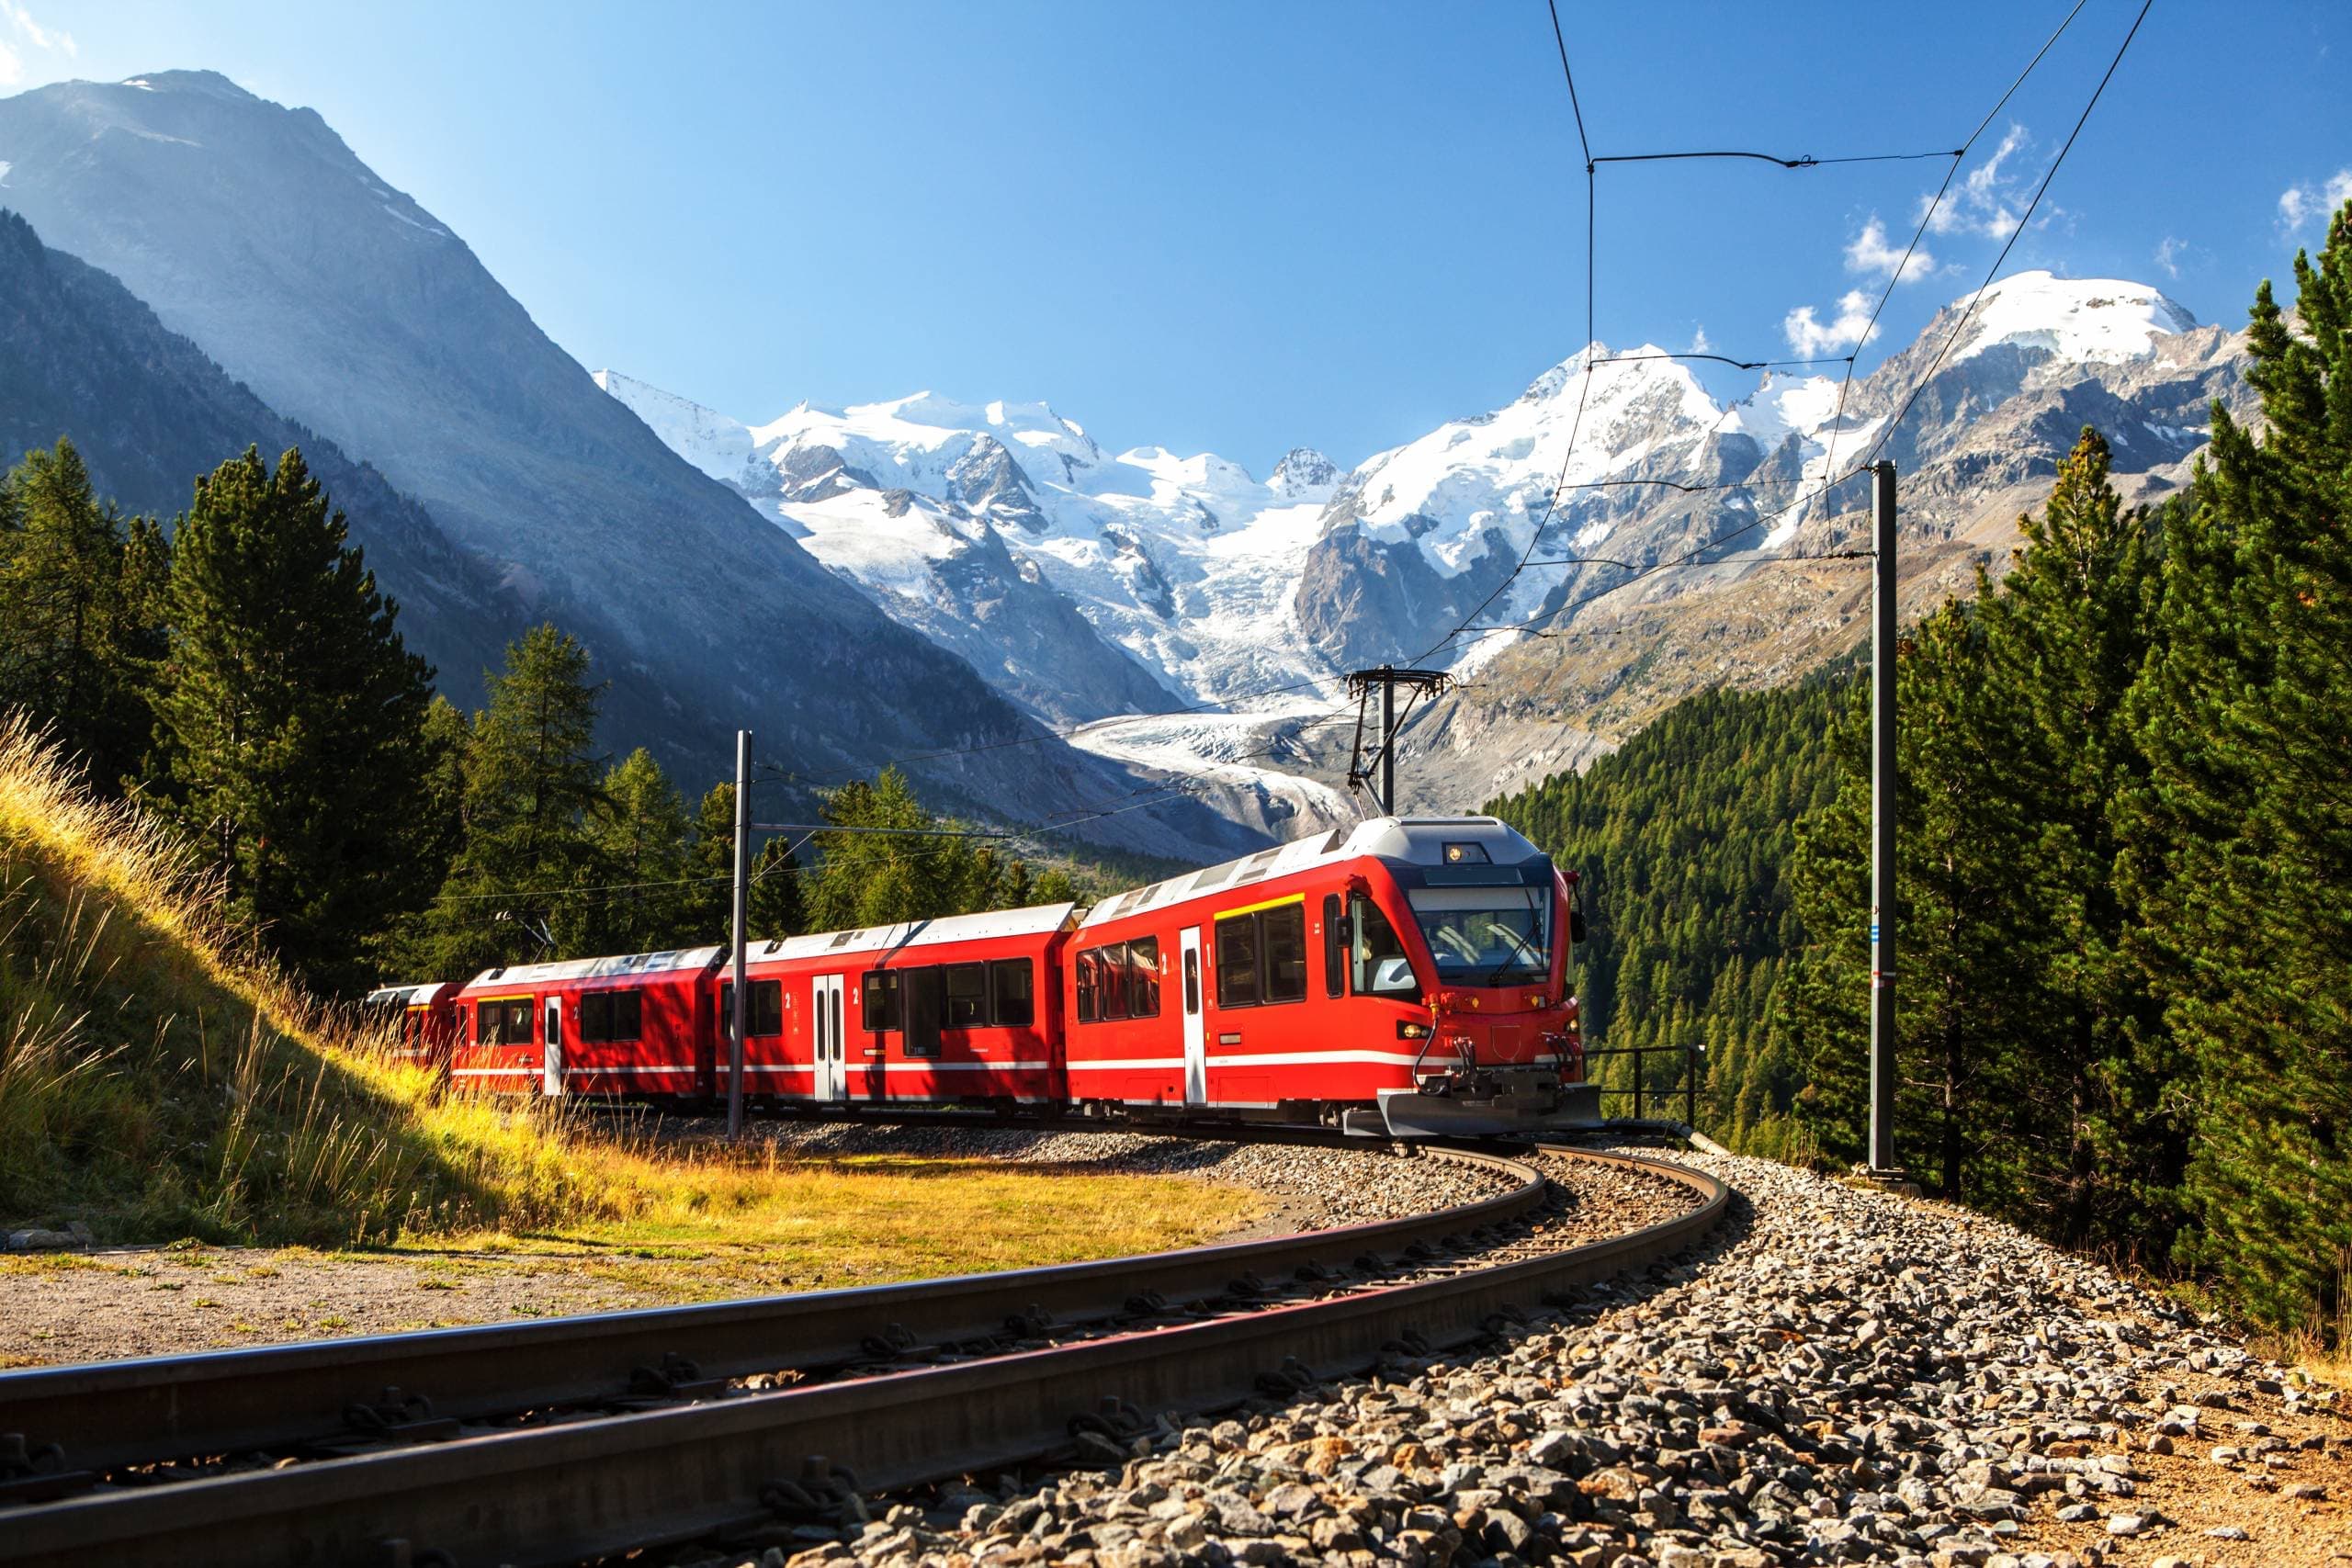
[
  {"x": 1236, "y": 961},
  {"x": 1192, "y": 980},
  {"x": 1110, "y": 980},
  {"x": 880, "y": 1003},
  {"x": 763, "y": 1008},
  {"x": 505, "y": 1023},
  {"x": 609, "y": 1017},
  {"x": 1283, "y": 952},
  {"x": 1089, "y": 1004},
  {"x": 1143, "y": 979},
  {"x": 1381, "y": 968},
  {"x": 1335, "y": 981},
  {"x": 1012, "y": 983},
  {"x": 968, "y": 996}
]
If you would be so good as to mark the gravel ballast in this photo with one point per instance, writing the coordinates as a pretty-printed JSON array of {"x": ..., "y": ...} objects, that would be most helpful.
[{"x": 1841, "y": 1376}]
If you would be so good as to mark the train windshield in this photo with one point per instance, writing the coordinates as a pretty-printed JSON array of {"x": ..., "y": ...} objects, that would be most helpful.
[{"x": 1486, "y": 936}]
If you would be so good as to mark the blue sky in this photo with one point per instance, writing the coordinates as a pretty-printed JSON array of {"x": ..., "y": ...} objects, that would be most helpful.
[{"x": 1242, "y": 227}]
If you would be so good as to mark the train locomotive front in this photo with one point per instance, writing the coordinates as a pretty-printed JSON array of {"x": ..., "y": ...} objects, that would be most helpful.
[
  {"x": 1464, "y": 930},
  {"x": 1403, "y": 978}
]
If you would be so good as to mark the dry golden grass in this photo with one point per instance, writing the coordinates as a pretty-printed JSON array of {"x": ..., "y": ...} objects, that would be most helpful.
[{"x": 159, "y": 1077}]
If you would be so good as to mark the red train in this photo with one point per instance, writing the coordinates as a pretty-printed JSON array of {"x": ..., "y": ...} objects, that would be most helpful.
[{"x": 1405, "y": 976}]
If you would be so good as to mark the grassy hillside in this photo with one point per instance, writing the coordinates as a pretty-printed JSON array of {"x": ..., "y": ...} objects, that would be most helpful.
[{"x": 158, "y": 1080}]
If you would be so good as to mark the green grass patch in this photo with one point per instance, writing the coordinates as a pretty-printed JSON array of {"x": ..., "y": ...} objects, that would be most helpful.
[{"x": 162, "y": 1081}]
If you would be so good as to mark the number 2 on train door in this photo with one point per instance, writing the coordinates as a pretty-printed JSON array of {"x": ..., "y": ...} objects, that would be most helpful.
[{"x": 1197, "y": 1059}]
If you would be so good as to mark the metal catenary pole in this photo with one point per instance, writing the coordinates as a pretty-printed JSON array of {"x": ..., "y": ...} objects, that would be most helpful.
[
  {"x": 1883, "y": 805},
  {"x": 1388, "y": 741},
  {"x": 743, "y": 919}
]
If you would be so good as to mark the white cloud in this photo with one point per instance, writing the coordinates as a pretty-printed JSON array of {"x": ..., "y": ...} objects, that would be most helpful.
[
  {"x": 1870, "y": 253},
  {"x": 1698, "y": 344},
  {"x": 1990, "y": 200},
  {"x": 2168, "y": 253},
  {"x": 1812, "y": 338},
  {"x": 2298, "y": 204},
  {"x": 12, "y": 70},
  {"x": 41, "y": 38}
]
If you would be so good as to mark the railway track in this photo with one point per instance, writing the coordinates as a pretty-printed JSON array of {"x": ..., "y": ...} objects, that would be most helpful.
[{"x": 558, "y": 1439}]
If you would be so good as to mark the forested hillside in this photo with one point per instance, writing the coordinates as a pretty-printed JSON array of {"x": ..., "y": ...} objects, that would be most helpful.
[
  {"x": 2124, "y": 973},
  {"x": 1683, "y": 838}
]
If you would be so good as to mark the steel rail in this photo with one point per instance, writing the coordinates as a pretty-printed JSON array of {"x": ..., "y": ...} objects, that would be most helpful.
[
  {"x": 108, "y": 1416},
  {"x": 561, "y": 1493}
]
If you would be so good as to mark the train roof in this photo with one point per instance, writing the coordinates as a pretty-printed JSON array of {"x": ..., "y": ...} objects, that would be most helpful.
[
  {"x": 1038, "y": 919},
  {"x": 600, "y": 968},
  {"x": 1415, "y": 840},
  {"x": 408, "y": 996}
]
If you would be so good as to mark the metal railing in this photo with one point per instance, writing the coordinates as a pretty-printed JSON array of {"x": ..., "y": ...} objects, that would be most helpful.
[{"x": 1693, "y": 1060}]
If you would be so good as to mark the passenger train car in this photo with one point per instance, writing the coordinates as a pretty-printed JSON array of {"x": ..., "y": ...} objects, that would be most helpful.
[
  {"x": 426, "y": 1027},
  {"x": 1402, "y": 978}
]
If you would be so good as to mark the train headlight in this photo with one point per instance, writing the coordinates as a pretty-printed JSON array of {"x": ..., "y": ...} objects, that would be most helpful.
[{"x": 1408, "y": 1030}]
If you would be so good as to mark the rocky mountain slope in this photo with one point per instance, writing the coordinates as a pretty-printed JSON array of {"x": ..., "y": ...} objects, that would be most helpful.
[
  {"x": 1253, "y": 598},
  {"x": 80, "y": 357},
  {"x": 254, "y": 231},
  {"x": 2042, "y": 357}
]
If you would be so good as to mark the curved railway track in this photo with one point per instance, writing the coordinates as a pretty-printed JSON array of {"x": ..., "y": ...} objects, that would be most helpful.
[{"x": 557, "y": 1440}]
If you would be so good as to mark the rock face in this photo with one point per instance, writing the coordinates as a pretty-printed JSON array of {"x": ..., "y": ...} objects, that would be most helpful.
[
  {"x": 1183, "y": 568},
  {"x": 254, "y": 231},
  {"x": 2043, "y": 358},
  {"x": 933, "y": 547},
  {"x": 1257, "y": 597},
  {"x": 148, "y": 412}
]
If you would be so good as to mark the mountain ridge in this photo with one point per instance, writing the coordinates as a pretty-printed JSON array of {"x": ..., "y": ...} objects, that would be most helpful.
[
  {"x": 252, "y": 230},
  {"x": 1401, "y": 549}
]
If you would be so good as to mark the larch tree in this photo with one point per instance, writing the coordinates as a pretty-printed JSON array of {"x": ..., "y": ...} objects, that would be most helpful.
[
  {"x": 534, "y": 792},
  {"x": 292, "y": 718}
]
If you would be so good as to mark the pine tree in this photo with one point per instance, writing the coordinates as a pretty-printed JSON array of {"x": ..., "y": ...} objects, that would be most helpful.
[
  {"x": 775, "y": 897},
  {"x": 2240, "y": 854},
  {"x": 518, "y": 889},
  {"x": 79, "y": 605},
  {"x": 293, "y": 717},
  {"x": 2067, "y": 633},
  {"x": 876, "y": 879},
  {"x": 1968, "y": 940},
  {"x": 642, "y": 837}
]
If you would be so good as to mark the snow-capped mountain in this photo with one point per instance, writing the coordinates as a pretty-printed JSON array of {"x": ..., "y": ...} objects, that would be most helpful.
[
  {"x": 1172, "y": 583},
  {"x": 1182, "y": 566}
]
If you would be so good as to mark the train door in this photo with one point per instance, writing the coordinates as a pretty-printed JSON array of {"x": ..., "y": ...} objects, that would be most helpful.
[
  {"x": 825, "y": 1034},
  {"x": 551, "y": 1058},
  {"x": 1196, "y": 1057}
]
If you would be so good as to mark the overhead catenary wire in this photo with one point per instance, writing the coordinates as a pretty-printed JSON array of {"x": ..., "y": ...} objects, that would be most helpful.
[
  {"x": 1830, "y": 476},
  {"x": 1803, "y": 161},
  {"x": 1994, "y": 271},
  {"x": 1584, "y": 386},
  {"x": 1926, "y": 216}
]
